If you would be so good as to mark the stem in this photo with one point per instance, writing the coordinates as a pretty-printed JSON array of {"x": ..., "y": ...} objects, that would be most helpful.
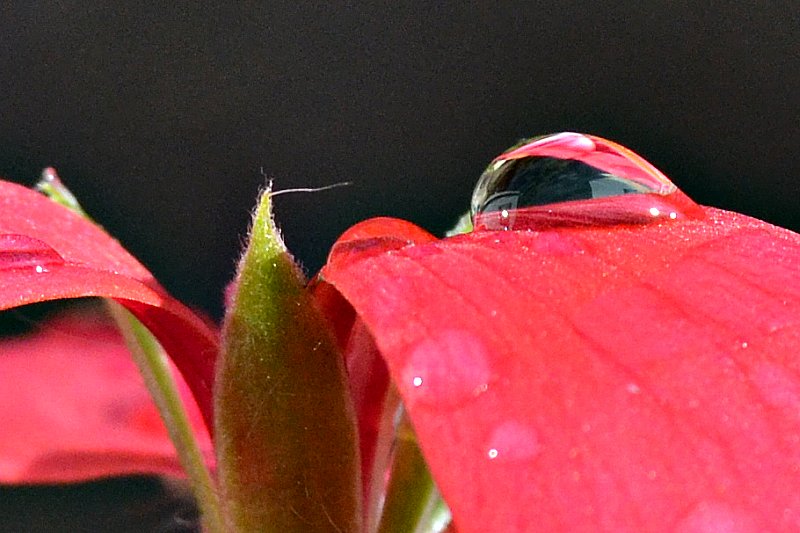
[
  {"x": 154, "y": 367},
  {"x": 413, "y": 503},
  {"x": 158, "y": 378}
]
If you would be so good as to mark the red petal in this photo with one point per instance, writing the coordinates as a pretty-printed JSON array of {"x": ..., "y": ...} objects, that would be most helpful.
[
  {"x": 47, "y": 252},
  {"x": 367, "y": 373},
  {"x": 643, "y": 378},
  {"x": 73, "y": 407}
]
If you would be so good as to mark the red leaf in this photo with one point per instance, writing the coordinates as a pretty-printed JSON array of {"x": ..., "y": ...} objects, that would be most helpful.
[
  {"x": 47, "y": 252},
  {"x": 74, "y": 407},
  {"x": 587, "y": 378}
]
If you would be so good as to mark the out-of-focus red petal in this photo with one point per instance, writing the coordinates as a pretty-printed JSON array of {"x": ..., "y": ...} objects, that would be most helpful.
[
  {"x": 47, "y": 252},
  {"x": 74, "y": 407},
  {"x": 639, "y": 378}
]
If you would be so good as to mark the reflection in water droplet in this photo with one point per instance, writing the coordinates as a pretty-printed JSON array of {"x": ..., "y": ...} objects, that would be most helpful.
[
  {"x": 21, "y": 251},
  {"x": 573, "y": 179},
  {"x": 447, "y": 370},
  {"x": 513, "y": 441}
]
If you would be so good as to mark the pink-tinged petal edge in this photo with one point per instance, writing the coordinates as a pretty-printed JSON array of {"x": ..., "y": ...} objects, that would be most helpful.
[
  {"x": 47, "y": 253},
  {"x": 74, "y": 407},
  {"x": 643, "y": 378}
]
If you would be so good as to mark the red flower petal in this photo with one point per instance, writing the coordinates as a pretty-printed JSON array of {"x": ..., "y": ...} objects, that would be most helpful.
[
  {"x": 47, "y": 252},
  {"x": 367, "y": 373},
  {"x": 74, "y": 407},
  {"x": 633, "y": 378}
]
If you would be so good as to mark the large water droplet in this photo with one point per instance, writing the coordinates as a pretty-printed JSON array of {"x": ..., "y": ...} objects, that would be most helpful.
[
  {"x": 21, "y": 251},
  {"x": 446, "y": 370},
  {"x": 573, "y": 179}
]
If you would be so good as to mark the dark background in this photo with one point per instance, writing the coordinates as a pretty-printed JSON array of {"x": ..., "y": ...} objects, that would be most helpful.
[{"x": 159, "y": 117}]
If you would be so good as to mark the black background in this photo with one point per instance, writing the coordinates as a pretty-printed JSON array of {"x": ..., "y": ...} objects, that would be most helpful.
[{"x": 160, "y": 115}]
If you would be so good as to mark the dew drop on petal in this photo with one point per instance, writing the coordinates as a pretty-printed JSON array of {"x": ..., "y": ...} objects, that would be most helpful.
[
  {"x": 21, "y": 251},
  {"x": 573, "y": 179},
  {"x": 446, "y": 370},
  {"x": 513, "y": 441},
  {"x": 777, "y": 386},
  {"x": 717, "y": 517}
]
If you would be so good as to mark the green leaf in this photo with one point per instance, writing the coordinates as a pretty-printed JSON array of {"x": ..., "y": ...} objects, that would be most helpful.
[{"x": 286, "y": 439}]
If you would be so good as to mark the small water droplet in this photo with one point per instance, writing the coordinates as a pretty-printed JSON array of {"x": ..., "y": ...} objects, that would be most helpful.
[
  {"x": 447, "y": 370},
  {"x": 777, "y": 386},
  {"x": 21, "y": 251},
  {"x": 513, "y": 441},
  {"x": 49, "y": 175},
  {"x": 717, "y": 517},
  {"x": 573, "y": 179},
  {"x": 633, "y": 388}
]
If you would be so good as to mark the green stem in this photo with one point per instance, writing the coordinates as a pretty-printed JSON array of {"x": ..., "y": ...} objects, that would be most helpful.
[
  {"x": 413, "y": 503},
  {"x": 159, "y": 380},
  {"x": 154, "y": 367}
]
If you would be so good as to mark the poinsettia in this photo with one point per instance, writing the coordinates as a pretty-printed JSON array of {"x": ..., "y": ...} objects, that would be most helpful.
[{"x": 598, "y": 353}]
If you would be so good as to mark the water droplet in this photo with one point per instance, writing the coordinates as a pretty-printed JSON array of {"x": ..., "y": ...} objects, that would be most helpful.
[
  {"x": 513, "y": 441},
  {"x": 574, "y": 179},
  {"x": 447, "y": 370},
  {"x": 717, "y": 517},
  {"x": 777, "y": 386},
  {"x": 633, "y": 388},
  {"x": 21, "y": 251}
]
